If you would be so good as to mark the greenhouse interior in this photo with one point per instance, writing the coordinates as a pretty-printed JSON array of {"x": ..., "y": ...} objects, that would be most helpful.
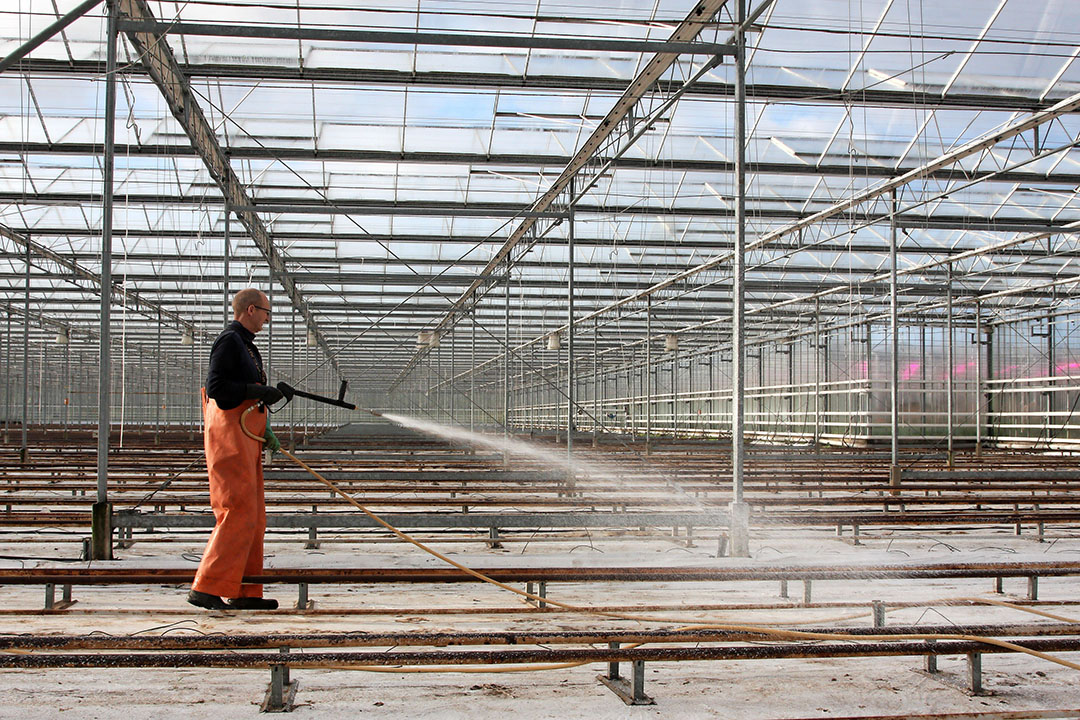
[{"x": 713, "y": 359}]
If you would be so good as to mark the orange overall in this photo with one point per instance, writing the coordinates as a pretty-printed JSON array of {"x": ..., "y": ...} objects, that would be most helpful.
[{"x": 234, "y": 463}]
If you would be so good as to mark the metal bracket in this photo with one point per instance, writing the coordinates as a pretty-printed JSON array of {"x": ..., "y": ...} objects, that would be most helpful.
[
  {"x": 878, "y": 609},
  {"x": 313, "y": 533},
  {"x": 631, "y": 692},
  {"x": 973, "y": 686},
  {"x": 281, "y": 695},
  {"x": 541, "y": 591},
  {"x": 302, "y": 601},
  {"x": 50, "y": 597}
]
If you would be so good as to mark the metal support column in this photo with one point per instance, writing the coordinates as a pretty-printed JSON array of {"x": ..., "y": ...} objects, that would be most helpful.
[
  {"x": 990, "y": 431},
  {"x": 869, "y": 383},
  {"x": 762, "y": 409},
  {"x": 294, "y": 375},
  {"x": 817, "y": 372},
  {"x": 269, "y": 370},
  {"x": 597, "y": 390},
  {"x": 24, "y": 451},
  {"x": 225, "y": 270},
  {"x": 692, "y": 420},
  {"x": 67, "y": 384},
  {"x": 191, "y": 390},
  {"x": 506, "y": 366},
  {"x": 675, "y": 392},
  {"x": 949, "y": 363},
  {"x": 894, "y": 356},
  {"x": 648, "y": 375},
  {"x": 7, "y": 385},
  {"x": 472, "y": 373},
  {"x": 978, "y": 379},
  {"x": 1051, "y": 371},
  {"x": 157, "y": 383},
  {"x": 571, "y": 378},
  {"x": 740, "y": 510},
  {"x": 101, "y": 525},
  {"x": 791, "y": 384},
  {"x": 922, "y": 376}
]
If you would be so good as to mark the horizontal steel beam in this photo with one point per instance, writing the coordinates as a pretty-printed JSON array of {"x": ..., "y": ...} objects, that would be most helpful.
[
  {"x": 629, "y": 573},
  {"x": 715, "y": 240},
  {"x": 392, "y": 37},
  {"x": 475, "y": 160},
  {"x": 403, "y": 209},
  {"x": 448, "y": 209},
  {"x": 436, "y": 520},
  {"x": 763, "y": 92},
  {"x": 412, "y": 638},
  {"x": 400, "y": 658}
]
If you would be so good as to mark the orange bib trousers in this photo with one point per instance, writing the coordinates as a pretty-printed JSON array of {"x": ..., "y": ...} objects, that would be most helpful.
[{"x": 234, "y": 464}]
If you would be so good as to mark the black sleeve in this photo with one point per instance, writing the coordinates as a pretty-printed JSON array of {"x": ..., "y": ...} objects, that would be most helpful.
[{"x": 224, "y": 380}]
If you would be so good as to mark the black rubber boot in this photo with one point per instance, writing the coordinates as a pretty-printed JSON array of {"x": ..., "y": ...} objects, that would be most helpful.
[
  {"x": 253, "y": 603},
  {"x": 206, "y": 600}
]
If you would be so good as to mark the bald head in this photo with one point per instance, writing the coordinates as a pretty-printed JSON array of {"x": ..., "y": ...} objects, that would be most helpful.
[
  {"x": 244, "y": 298},
  {"x": 251, "y": 308}
]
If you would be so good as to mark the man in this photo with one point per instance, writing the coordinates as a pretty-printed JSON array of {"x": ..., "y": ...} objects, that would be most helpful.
[{"x": 236, "y": 381}]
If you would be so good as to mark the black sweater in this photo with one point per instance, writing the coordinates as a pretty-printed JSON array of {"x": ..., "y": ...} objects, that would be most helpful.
[{"x": 235, "y": 363}]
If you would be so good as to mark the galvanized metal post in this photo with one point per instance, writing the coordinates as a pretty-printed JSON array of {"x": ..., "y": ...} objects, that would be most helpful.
[
  {"x": 1051, "y": 371},
  {"x": 294, "y": 376},
  {"x": 691, "y": 419},
  {"x": 24, "y": 452},
  {"x": 791, "y": 384},
  {"x": 817, "y": 371},
  {"x": 225, "y": 270},
  {"x": 67, "y": 384},
  {"x": 157, "y": 392},
  {"x": 506, "y": 366},
  {"x": 648, "y": 375},
  {"x": 894, "y": 357},
  {"x": 472, "y": 373},
  {"x": 761, "y": 404},
  {"x": 989, "y": 330},
  {"x": 191, "y": 390},
  {"x": 101, "y": 524},
  {"x": 869, "y": 382},
  {"x": 949, "y": 362},
  {"x": 978, "y": 379},
  {"x": 7, "y": 386},
  {"x": 269, "y": 369},
  {"x": 740, "y": 510},
  {"x": 675, "y": 392},
  {"x": 571, "y": 378},
  {"x": 450, "y": 380},
  {"x": 922, "y": 375},
  {"x": 597, "y": 390}
]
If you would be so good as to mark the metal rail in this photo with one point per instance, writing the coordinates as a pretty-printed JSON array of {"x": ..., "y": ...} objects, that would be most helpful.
[
  {"x": 140, "y": 576},
  {"x": 317, "y": 660},
  {"x": 255, "y": 641}
]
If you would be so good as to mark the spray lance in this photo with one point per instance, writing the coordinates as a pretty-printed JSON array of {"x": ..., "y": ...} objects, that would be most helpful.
[{"x": 290, "y": 392}]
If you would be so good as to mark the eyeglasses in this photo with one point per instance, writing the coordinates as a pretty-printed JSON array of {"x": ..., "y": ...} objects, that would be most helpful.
[{"x": 260, "y": 307}]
